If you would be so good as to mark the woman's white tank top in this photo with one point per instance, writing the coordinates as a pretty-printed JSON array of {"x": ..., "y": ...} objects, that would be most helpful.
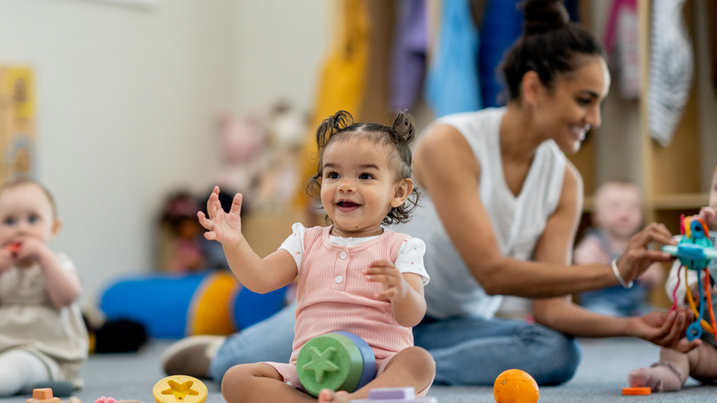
[{"x": 518, "y": 221}]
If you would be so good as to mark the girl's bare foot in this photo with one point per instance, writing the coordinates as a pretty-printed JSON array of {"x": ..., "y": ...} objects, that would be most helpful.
[{"x": 329, "y": 396}]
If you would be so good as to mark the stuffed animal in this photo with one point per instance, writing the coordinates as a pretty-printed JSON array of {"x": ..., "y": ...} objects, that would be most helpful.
[
  {"x": 286, "y": 129},
  {"x": 242, "y": 142},
  {"x": 181, "y": 249}
]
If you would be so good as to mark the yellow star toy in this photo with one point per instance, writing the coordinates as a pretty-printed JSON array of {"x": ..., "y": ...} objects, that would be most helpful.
[{"x": 180, "y": 389}]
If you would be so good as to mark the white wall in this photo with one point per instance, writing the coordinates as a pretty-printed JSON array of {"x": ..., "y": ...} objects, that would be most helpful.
[
  {"x": 280, "y": 45},
  {"x": 126, "y": 100}
]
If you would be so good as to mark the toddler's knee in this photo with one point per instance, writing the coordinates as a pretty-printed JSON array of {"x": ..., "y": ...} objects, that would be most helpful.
[
  {"x": 233, "y": 383},
  {"x": 421, "y": 366},
  {"x": 424, "y": 360}
]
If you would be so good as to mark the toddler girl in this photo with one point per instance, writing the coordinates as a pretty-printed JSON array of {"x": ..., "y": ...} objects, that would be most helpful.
[{"x": 353, "y": 275}]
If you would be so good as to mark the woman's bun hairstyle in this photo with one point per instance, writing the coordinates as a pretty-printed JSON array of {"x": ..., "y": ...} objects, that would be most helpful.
[
  {"x": 550, "y": 45},
  {"x": 543, "y": 15}
]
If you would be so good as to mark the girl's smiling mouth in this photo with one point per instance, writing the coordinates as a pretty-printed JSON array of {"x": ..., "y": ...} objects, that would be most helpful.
[{"x": 347, "y": 205}]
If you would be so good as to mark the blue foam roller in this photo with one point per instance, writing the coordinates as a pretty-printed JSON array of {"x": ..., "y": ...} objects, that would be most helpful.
[
  {"x": 250, "y": 308},
  {"x": 159, "y": 302}
]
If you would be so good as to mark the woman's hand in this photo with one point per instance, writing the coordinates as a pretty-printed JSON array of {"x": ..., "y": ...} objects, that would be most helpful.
[
  {"x": 666, "y": 329},
  {"x": 638, "y": 257},
  {"x": 221, "y": 226}
]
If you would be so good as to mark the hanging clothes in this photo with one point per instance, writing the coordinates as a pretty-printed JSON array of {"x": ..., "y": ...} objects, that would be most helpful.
[
  {"x": 502, "y": 25},
  {"x": 408, "y": 62},
  {"x": 341, "y": 83},
  {"x": 622, "y": 46},
  {"x": 452, "y": 83},
  {"x": 375, "y": 106},
  {"x": 671, "y": 69}
]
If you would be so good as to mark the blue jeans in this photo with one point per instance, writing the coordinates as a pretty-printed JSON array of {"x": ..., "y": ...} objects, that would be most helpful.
[
  {"x": 268, "y": 340},
  {"x": 474, "y": 351},
  {"x": 617, "y": 301},
  {"x": 467, "y": 351}
]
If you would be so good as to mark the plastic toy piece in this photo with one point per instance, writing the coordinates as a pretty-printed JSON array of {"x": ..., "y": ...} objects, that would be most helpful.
[
  {"x": 691, "y": 252},
  {"x": 14, "y": 247},
  {"x": 369, "y": 360},
  {"x": 104, "y": 399},
  {"x": 59, "y": 388},
  {"x": 43, "y": 395},
  {"x": 634, "y": 391},
  {"x": 180, "y": 389},
  {"x": 336, "y": 361},
  {"x": 395, "y": 395}
]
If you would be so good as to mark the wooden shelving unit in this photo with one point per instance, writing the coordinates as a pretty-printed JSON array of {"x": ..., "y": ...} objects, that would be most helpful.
[{"x": 674, "y": 179}]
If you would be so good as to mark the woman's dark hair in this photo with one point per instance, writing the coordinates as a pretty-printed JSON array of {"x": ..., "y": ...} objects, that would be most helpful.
[
  {"x": 549, "y": 45},
  {"x": 400, "y": 135}
]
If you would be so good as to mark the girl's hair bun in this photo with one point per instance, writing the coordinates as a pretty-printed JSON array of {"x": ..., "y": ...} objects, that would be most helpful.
[
  {"x": 543, "y": 15},
  {"x": 402, "y": 130}
]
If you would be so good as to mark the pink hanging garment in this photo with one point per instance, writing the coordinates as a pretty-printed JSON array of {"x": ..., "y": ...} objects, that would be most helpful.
[{"x": 621, "y": 44}]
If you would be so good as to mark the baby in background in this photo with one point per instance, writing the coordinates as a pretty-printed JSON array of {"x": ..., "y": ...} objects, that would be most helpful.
[
  {"x": 353, "y": 275},
  {"x": 617, "y": 216},
  {"x": 42, "y": 335},
  {"x": 674, "y": 367}
]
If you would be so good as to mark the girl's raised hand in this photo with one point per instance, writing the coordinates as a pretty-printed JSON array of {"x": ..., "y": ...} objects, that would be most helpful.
[
  {"x": 385, "y": 272},
  {"x": 221, "y": 226}
]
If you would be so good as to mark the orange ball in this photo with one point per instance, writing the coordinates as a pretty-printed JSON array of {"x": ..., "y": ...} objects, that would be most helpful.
[{"x": 515, "y": 386}]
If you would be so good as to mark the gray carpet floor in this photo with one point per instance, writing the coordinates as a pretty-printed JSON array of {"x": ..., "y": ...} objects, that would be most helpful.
[{"x": 600, "y": 378}]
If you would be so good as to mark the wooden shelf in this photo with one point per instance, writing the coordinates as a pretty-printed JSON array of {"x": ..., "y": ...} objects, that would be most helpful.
[
  {"x": 680, "y": 201},
  {"x": 588, "y": 204},
  {"x": 677, "y": 201}
]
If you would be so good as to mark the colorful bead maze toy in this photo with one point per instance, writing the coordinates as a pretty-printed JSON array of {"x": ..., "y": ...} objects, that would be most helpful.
[{"x": 695, "y": 251}]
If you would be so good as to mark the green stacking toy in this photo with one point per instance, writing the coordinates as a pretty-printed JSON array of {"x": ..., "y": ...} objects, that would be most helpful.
[{"x": 331, "y": 361}]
